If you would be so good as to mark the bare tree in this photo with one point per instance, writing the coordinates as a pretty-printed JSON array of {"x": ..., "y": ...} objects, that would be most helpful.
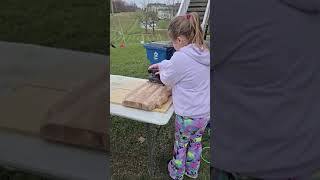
[
  {"x": 153, "y": 18},
  {"x": 143, "y": 18},
  {"x": 146, "y": 15}
]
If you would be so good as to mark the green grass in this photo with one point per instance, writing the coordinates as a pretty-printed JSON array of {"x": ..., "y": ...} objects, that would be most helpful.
[
  {"x": 72, "y": 24},
  {"x": 128, "y": 155},
  {"x": 130, "y": 61},
  {"x": 163, "y": 24}
]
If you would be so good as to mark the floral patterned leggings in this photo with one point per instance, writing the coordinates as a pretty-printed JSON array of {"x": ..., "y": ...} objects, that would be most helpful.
[{"x": 187, "y": 147}]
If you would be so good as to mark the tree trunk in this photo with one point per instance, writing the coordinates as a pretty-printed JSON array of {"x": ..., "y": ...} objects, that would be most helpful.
[
  {"x": 153, "y": 27},
  {"x": 146, "y": 26}
]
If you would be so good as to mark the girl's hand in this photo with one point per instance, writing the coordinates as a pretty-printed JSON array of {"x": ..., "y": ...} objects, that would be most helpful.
[{"x": 154, "y": 66}]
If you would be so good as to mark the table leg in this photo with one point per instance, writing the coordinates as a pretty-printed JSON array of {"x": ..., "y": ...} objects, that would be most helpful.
[
  {"x": 150, "y": 150},
  {"x": 151, "y": 141}
]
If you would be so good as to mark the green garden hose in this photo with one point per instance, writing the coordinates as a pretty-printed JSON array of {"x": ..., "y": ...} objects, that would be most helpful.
[{"x": 206, "y": 161}]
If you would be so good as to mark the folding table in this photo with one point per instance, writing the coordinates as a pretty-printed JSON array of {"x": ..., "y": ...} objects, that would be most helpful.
[{"x": 147, "y": 117}]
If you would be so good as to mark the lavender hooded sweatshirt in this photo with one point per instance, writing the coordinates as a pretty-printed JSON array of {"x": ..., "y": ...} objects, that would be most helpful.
[{"x": 188, "y": 73}]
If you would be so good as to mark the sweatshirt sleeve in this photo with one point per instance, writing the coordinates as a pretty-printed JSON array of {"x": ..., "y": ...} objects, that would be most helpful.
[{"x": 171, "y": 70}]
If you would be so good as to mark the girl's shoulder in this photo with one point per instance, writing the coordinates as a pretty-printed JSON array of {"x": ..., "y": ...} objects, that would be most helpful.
[
  {"x": 178, "y": 55},
  {"x": 179, "y": 58}
]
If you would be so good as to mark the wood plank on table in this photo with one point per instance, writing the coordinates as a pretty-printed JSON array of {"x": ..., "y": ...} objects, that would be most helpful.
[
  {"x": 81, "y": 117},
  {"x": 24, "y": 109},
  {"x": 121, "y": 86},
  {"x": 148, "y": 96}
]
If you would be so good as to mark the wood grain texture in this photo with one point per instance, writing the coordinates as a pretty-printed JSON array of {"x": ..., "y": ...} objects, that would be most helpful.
[
  {"x": 121, "y": 87},
  {"x": 24, "y": 109},
  {"x": 81, "y": 117},
  {"x": 148, "y": 96}
]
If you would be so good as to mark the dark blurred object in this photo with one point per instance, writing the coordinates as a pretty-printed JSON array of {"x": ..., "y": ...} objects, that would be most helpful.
[
  {"x": 112, "y": 45},
  {"x": 153, "y": 77}
]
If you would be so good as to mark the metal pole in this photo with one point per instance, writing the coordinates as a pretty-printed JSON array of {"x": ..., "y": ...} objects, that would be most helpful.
[
  {"x": 111, "y": 7},
  {"x": 150, "y": 144}
]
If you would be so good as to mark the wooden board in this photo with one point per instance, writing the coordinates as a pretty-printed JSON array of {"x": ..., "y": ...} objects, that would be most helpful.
[
  {"x": 121, "y": 87},
  {"x": 118, "y": 96},
  {"x": 81, "y": 117},
  {"x": 148, "y": 96},
  {"x": 24, "y": 109}
]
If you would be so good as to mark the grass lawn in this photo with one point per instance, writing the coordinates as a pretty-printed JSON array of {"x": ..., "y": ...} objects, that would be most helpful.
[
  {"x": 129, "y": 155},
  {"x": 163, "y": 24},
  {"x": 72, "y": 24}
]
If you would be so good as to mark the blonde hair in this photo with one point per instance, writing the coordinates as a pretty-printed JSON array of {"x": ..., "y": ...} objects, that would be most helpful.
[{"x": 189, "y": 26}]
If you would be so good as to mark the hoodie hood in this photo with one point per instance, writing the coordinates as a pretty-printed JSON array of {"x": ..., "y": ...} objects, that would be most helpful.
[
  {"x": 201, "y": 56},
  {"x": 307, "y": 6}
]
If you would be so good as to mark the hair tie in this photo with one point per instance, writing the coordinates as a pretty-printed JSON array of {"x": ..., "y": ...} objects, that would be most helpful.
[{"x": 188, "y": 16}]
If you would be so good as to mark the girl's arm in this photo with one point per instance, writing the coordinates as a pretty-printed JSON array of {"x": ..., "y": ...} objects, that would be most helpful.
[{"x": 171, "y": 70}]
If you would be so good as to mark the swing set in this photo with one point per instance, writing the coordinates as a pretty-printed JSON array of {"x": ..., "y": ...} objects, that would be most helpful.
[
  {"x": 123, "y": 41},
  {"x": 120, "y": 33}
]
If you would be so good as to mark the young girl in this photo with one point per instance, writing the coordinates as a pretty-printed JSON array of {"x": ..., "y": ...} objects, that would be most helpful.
[{"x": 188, "y": 73}]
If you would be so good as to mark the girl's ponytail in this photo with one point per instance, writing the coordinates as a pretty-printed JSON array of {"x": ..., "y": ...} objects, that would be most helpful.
[
  {"x": 198, "y": 34},
  {"x": 188, "y": 26}
]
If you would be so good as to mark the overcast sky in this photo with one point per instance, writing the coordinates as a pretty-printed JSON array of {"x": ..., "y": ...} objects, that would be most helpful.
[{"x": 140, "y": 3}]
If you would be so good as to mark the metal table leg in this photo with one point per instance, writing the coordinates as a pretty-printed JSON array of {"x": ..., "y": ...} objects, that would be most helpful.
[
  {"x": 151, "y": 142},
  {"x": 150, "y": 155}
]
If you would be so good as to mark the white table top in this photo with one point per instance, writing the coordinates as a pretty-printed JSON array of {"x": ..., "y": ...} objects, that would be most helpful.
[
  {"x": 136, "y": 114},
  {"x": 54, "y": 160}
]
